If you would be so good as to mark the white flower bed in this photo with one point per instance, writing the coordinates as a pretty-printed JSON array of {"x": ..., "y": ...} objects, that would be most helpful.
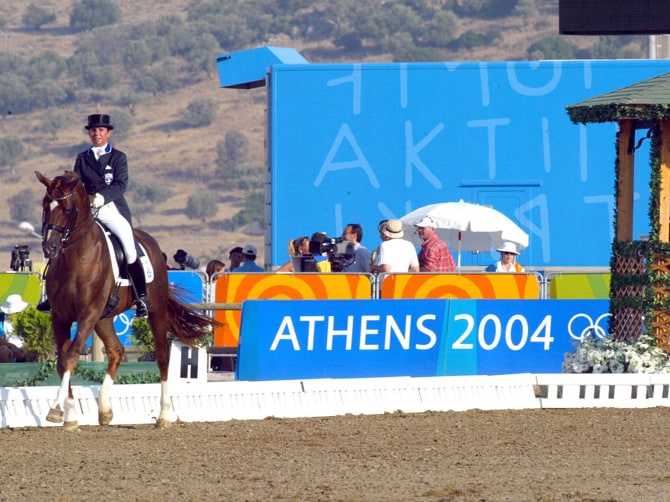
[{"x": 606, "y": 355}]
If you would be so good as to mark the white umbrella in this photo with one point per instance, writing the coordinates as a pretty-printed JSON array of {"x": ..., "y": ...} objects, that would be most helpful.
[{"x": 466, "y": 226}]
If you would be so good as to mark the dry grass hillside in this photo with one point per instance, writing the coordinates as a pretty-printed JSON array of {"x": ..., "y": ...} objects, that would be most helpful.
[{"x": 161, "y": 152}]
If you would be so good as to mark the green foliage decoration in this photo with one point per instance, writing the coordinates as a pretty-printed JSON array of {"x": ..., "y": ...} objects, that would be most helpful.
[
  {"x": 34, "y": 327},
  {"x": 141, "y": 336}
]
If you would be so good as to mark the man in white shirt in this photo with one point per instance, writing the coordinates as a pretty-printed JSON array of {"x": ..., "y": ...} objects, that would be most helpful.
[{"x": 395, "y": 253}]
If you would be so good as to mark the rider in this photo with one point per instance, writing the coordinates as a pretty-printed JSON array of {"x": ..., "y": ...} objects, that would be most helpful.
[{"x": 104, "y": 172}]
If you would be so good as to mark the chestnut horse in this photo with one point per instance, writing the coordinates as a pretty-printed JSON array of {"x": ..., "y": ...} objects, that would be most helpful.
[{"x": 79, "y": 283}]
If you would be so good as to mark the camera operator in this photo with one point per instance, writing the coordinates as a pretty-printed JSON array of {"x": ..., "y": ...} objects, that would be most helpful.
[{"x": 353, "y": 232}]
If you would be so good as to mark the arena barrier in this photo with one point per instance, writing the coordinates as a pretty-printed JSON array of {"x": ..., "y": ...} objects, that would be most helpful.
[{"x": 242, "y": 400}]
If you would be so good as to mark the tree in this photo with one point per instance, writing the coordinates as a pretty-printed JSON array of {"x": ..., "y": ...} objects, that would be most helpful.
[
  {"x": 24, "y": 206},
  {"x": 89, "y": 14},
  {"x": 12, "y": 150},
  {"x": 200, "y": 112},
  {"x": 254, "y": 206},
  {"x": 202, "y": 205},
  {"x": 233, "y": 150},
  {"x": 52, "y": 122},
  {"x": 35, "y": 17}
]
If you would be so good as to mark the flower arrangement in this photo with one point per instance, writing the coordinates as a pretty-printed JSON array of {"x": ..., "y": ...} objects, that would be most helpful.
[{"x": 606, "y": 355}]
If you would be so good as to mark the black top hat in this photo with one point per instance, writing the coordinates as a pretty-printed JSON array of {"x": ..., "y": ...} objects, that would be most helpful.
[{"x": 99, "y": 120}]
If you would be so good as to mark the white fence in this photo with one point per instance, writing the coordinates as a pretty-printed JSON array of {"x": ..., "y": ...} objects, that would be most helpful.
[{"x": 201, "y": 401}]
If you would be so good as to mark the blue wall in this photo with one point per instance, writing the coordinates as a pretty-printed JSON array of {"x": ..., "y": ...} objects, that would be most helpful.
[{"x": 364, "y": 142}]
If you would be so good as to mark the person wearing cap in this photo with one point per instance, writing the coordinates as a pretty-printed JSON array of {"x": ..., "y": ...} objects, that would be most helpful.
[
  {"x": 434, "y": 255},
  {"x": 507, "y": 263},
  {"x": 249, "y": 260},
  {"x": 13, "y": 305},
  {"x": 395, "y": 253},
  {"x": 104, "y": 172},
  {"x": 235, "y": 257}
]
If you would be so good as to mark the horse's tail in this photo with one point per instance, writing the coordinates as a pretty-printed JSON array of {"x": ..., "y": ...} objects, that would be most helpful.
[{"x": 184, "y": 322}]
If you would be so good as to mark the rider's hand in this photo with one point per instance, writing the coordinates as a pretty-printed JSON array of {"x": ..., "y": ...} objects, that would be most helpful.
[{"x": 96, "y": 200}]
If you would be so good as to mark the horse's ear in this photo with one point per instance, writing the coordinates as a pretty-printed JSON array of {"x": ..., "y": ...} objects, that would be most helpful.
[{"x": 43, "y": 179}]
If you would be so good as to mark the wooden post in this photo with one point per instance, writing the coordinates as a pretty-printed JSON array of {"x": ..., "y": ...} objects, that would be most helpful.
[
  {"x": 626, "y": 185},
  {"x": 664, "y": 194}
]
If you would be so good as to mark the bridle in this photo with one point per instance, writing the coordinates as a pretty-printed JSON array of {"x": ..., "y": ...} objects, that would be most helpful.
[{"x": 70, "y": 228}]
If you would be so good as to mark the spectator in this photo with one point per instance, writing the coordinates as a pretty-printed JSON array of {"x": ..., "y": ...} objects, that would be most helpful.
[
  {"x": 296, "y": 248},
  {"x": 235, "y": 257},
  {"x": 395, "y": 253},
  {"x": 507, "y": 263},
  {"x": 214, "y": 266},
  {"x": 375, "y": 252},
  {"x": 434, "y": 255},
  {"x": 13, "y": 305},
  {"x": 353, "y": 232},
  {"x": 249, "y": 260}
]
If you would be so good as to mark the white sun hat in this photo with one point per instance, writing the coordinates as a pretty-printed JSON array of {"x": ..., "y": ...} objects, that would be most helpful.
[{"x": 13, "y": 304}]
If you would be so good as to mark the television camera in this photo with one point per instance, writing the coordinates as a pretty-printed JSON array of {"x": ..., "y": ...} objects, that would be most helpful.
[
  {"x": 21, "y": 258},
  {"x": 340, "y": 252}
]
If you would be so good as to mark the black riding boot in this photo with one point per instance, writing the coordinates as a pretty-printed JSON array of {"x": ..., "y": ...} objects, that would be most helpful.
[
  {"x": 44, "y": 306},
  {"x": 136, "y": 271}
]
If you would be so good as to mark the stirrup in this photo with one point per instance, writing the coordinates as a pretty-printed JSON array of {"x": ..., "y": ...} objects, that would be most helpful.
[
  {"x": 141, "y": 310},
  {"x": 44, "y": 306}
]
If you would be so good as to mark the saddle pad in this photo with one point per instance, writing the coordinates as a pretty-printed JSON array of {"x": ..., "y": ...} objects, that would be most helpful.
[{"x": 143, "y": 257}]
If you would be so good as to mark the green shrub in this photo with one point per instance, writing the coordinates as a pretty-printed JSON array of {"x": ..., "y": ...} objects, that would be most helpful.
[{"x": 34, "y": 327}]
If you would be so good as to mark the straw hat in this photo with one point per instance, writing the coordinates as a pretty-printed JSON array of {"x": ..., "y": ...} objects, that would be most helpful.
[
  {"x": 393, "y": 229},
  {"x": 13, "y": 304}
]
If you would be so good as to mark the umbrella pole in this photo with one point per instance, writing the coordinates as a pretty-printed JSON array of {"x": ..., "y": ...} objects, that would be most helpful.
[{"x": 459, "y": 251}]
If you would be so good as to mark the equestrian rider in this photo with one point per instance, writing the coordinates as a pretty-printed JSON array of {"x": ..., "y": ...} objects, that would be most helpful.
[{"x": 104, "y": 172}]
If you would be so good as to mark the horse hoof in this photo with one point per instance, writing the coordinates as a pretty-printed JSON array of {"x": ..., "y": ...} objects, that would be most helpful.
[
  {"x": 72, "y": 426},
  {"x": 162, "y": 423},
  {"x": 56, "y": 415},
  {"x": 104, "y": 418}
]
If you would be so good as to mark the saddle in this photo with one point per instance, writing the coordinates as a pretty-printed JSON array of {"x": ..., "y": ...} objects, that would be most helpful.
[{"x": 120, "y": 266}]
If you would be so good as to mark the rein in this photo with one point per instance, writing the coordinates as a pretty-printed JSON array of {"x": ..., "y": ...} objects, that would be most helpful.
[{"x": 70, "y": 227}]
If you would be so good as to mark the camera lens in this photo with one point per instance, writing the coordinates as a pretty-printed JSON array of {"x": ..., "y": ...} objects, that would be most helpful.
[{"x": 191, "y": 262}]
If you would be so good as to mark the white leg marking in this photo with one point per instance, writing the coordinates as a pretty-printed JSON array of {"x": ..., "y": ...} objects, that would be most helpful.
[
  {"x": 61, "y": 396},
  {"x": 166, "y": 414},
  {"x": 70, "y": 410},
  {"x": 105, "y": 402}
]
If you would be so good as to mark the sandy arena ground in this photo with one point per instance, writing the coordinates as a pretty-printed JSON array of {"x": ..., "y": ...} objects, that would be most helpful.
[{"x": 534, "y": 455}]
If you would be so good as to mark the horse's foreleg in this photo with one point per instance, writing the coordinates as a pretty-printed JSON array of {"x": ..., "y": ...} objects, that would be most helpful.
[
  {"x": 114, "y": 350},
  {"x": 56, "y": 413}
]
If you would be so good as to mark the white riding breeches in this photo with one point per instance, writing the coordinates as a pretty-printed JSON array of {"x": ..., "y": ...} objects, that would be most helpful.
[{"x": 109, "y": 215}]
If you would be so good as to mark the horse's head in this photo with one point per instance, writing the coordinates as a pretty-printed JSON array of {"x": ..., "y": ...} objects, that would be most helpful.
[{"x": 65, "y": 208}]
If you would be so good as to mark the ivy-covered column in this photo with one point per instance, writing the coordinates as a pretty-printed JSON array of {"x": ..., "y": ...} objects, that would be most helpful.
[{"x": 659, "y": 213}]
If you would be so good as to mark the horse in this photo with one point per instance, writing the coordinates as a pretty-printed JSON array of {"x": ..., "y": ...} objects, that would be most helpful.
[{"x": 79, "y": 283}]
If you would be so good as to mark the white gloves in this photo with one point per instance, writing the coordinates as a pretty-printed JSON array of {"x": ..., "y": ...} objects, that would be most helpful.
[{"x": 96, "y": 200}]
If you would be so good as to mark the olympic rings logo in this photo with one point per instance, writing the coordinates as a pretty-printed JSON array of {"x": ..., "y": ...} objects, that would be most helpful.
[
  {"x": 592, "y": 328},
  {"x": 122, "y": 323}
]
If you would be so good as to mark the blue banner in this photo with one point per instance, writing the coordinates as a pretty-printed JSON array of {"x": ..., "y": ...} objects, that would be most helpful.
[{"x": 298, "y": 339}]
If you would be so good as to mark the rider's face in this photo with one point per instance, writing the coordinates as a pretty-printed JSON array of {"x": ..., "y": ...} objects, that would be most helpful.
[{"x": 99, "y": 135}]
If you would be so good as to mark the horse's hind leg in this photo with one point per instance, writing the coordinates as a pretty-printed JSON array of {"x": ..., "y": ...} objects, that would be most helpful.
[
  {"x": 114, "y": 350},
  {"x": 158, "y": 324}
]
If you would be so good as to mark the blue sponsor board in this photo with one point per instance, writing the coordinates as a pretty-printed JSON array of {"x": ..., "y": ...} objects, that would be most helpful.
[{"x": 298, "y": 339}]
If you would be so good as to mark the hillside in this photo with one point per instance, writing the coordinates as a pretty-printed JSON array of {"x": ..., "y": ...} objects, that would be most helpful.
[{"x": 161, "y": 152}]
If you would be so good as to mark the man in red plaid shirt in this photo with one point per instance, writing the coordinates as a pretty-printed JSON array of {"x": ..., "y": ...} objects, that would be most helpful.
[{"x": 434, "y": 255}]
